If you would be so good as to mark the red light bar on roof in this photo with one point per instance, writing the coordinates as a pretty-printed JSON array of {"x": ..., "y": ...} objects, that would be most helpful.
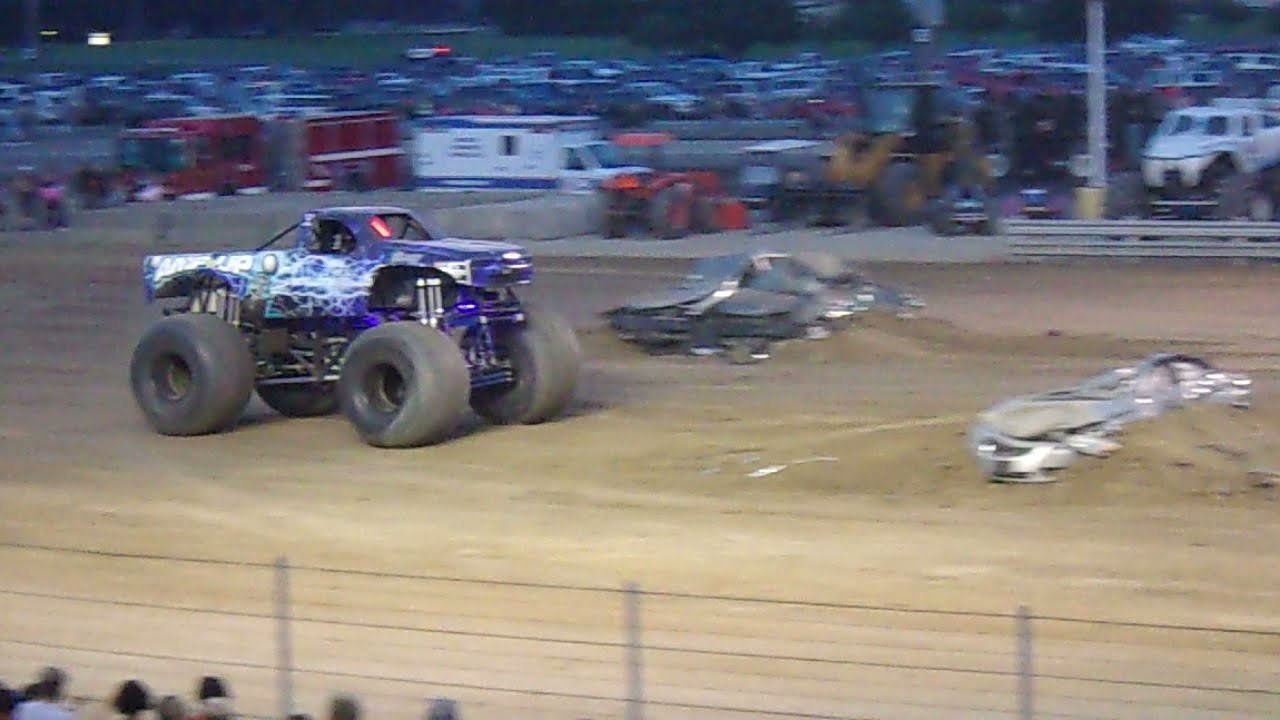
[{"x": 381, "y": 227}]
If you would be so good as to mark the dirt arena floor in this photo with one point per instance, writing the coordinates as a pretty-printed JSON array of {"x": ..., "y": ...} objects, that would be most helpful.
[{"x": 863, "y": 500}]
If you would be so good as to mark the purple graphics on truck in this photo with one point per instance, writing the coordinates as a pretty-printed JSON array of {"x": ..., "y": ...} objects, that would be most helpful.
[{"x": 303, "y": 301}]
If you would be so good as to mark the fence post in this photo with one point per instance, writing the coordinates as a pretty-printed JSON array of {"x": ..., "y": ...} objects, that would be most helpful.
[
  {"x": 635, "y": 666},
  {"x": 1026, "y": 669},
  {"x": 284, "y": 639}
]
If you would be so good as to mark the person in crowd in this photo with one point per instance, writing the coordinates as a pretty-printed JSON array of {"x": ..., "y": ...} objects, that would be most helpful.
[
  {"x": 214, "y": 699},
  {"x": 24, "y": 193},
  {"x": 344, "y": 707},
  {"x": 132, "y": 699},
  {"x": 8, "y": 701},
  {"x": 170, "y": 707},
  {"x": 443, "y": 709},
  {"x": 44, "y": 699}
]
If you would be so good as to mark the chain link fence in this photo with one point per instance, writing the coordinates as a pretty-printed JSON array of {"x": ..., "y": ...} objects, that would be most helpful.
[{"x": 287, "y": 637}]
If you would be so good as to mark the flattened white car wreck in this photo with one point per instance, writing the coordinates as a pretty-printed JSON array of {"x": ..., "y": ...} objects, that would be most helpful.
[
  {"x": 738, "y": 305},
  {"x": 1026, "y": 439}
]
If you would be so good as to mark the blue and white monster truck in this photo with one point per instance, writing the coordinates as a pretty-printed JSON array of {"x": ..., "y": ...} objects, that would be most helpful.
[{"x": 369, "y": 310}]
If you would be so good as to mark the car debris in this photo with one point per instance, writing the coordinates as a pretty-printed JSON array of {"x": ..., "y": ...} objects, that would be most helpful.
[
  {"x": 1027, "y": 439},
  {"x": 736, "y": 306}
]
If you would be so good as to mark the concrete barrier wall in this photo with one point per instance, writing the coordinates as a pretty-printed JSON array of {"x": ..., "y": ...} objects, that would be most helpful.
[
  {"x": 549, "y": 217},
  {"x": 243, "y": 222}
]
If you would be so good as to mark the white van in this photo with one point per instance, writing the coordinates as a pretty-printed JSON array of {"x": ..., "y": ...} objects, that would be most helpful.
[{"x": 529, "y": 152}]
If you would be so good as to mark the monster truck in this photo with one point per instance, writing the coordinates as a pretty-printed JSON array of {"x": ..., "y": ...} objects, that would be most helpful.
[
  {"x": 1202, "y": 160},
  {"x": 368, "y": 310}
]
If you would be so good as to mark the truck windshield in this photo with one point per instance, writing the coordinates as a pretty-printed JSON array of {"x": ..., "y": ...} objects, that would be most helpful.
[
  {"x": 1177, "y": 124},
  {"x": 605, "y": 154},
  {"x": 404, "y": 227},
  {"x": 889, "y": 110},
  {"x": 152, "y": 154}
]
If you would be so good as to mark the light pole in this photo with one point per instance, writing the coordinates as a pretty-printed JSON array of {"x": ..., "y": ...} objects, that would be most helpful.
[
  {"x": 929, "y": 16},
  {"x": 33, "y": 29},
  {"x": 1097, "y": 43}
]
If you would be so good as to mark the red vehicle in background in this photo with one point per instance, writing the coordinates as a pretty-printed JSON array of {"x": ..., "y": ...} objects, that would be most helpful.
[
  {"x": 353, "y": 151},
  {"x": 194, "y": 156}
]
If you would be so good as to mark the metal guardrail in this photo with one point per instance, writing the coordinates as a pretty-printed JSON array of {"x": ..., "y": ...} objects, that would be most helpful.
[
  {"x": 1221, "y": 229},
  {"x": 1151, "y": 239}
]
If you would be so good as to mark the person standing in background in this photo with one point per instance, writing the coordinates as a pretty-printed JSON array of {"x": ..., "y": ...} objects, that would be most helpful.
[{"x": 44, "y": 702}]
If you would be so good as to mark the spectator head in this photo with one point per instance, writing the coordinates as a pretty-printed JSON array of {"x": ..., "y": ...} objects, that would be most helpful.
[
  {"x": 132, "y": 698},
  {"x": 212, "y": 687},
  {"x": 214, "y": 697},
  {"x": 52, "y": 683},
  {"x": 344, "y": 707},
  {"x": 8, "y": 701},
  {"x": 442, "y": 709},
  {"x": 171, "y": 707}
]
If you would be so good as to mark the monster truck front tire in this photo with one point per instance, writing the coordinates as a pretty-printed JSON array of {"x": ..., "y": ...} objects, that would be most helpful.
[
  {"x": 546, "y": 357},
  {"x": 404, "y": 384},
  {"x": 192, "y": 374},
  {"x": 301, "y": 400}
]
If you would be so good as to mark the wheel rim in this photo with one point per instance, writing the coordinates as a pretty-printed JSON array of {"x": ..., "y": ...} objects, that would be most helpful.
[
  {"x": 386, "y": 388},
  {"x": 171, "y": 376}
]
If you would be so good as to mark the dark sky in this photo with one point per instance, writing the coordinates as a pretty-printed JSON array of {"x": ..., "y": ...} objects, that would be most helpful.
[{"x": 154, "y": 18}]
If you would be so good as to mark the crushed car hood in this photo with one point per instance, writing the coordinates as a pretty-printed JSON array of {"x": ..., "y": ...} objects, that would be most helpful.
[
  {"x": 455, "y": 249},
  {"x": 1024, "y": 438}
]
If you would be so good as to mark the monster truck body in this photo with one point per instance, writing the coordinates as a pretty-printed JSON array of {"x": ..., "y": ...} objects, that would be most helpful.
[
  {"x": 367, "y": 308},
  {"x": 1196, "y": 151}
]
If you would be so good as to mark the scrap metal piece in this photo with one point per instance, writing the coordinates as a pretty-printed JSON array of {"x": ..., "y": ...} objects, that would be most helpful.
[
  {"x": 1027, "y": 439},
  {"x": 761, "y": 296}
]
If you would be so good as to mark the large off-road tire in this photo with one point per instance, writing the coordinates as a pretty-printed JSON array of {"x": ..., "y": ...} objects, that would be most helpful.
[
  {"x": 1234, "y": 193},
  {"x": 404, "y": 384},
  {"x": 941, "y": 220},
  {"x": 610, "y": 214},
  {"x": 301, "y": 400},
  {"x": 1126, "y": 197},
  {"x": 192, "y": 374},
  {"x": 900, "y": 199},
  {"x": 704, "y": 218},
  {"x": 546, "y": 357},
  {"x": 671, "y": 211}
]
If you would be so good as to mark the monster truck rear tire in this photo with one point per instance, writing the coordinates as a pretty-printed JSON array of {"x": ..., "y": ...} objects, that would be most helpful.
[
  {"x": 404, "y": 384},
  {"x": 547, "y": 357},
  {"x": 671, "y": 211},
  {"x": 900, "y": 196},
  {"x": 192, "y": 374},
  {"x": 301, "y": 400}
]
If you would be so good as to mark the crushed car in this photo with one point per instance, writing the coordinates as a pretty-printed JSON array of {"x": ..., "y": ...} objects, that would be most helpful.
[
  {"x": 1028, "y": 439},
  {"x": 739, "y": 305},
  {"x": 373, "y": 311}
]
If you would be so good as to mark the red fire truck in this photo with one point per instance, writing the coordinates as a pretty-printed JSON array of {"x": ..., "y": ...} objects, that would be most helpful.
[
  {"x": 195, "y": 156},
  {"x": 228, "y": 154},
  {"x": 353, "y": 150}
]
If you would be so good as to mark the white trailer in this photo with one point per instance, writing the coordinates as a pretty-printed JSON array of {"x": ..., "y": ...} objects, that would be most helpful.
[{"x": 531, "y": 152}]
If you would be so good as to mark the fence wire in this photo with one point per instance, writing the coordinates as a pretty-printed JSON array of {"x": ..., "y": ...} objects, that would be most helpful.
[{"x": 288, "y": 639}]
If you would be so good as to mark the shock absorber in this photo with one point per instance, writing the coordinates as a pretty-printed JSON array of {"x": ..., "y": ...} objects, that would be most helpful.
[
  {"x": 430, "y": 299},
  {"x": 485, "y": 351}
]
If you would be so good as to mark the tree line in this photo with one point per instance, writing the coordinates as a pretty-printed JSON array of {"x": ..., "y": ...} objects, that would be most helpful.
[
  {"x": 722, "y": 26},
  {"x": 731, "y": 26}
]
